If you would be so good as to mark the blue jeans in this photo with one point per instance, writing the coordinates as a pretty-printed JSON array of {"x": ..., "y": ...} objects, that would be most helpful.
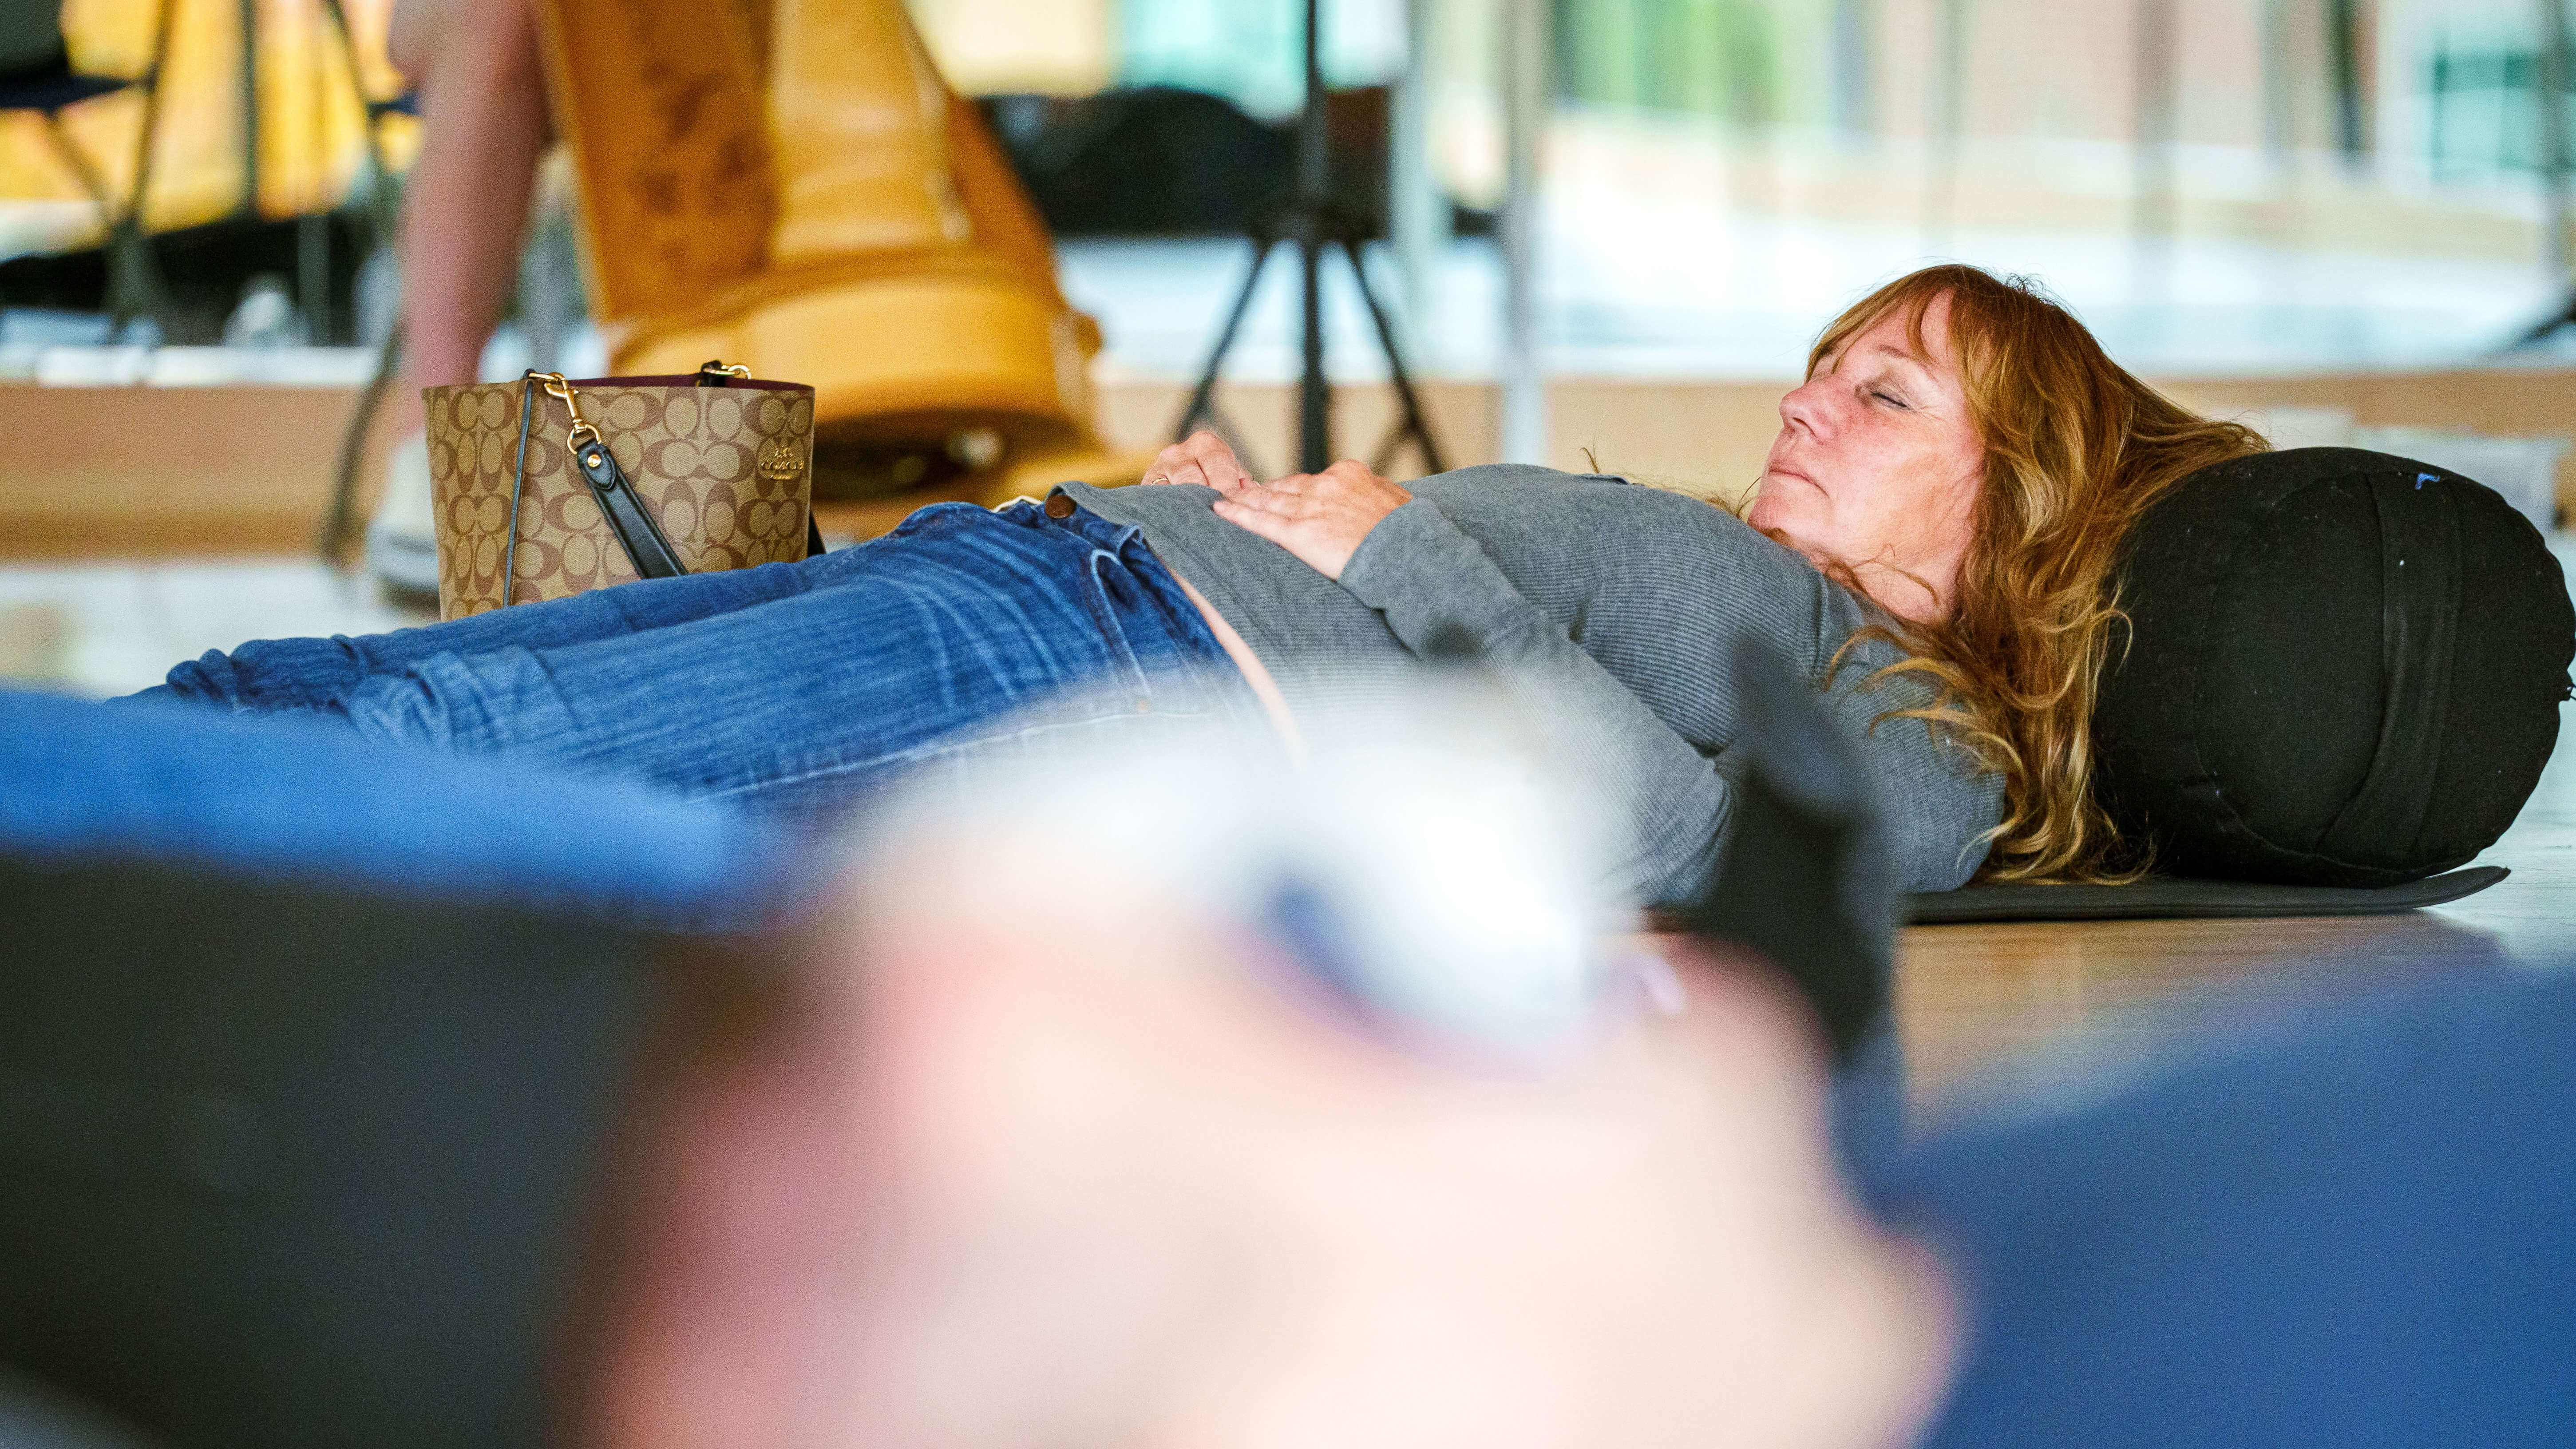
[
  {"x": 294, "y": 801},
  {"x": 797, "y": 689}
]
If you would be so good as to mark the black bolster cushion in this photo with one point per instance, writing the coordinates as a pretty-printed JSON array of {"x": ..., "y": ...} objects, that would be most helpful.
[{"x": 2342, "y": 668}]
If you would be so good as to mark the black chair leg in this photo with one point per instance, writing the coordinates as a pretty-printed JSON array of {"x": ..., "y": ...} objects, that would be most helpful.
[{"x": 339, "y": 522}]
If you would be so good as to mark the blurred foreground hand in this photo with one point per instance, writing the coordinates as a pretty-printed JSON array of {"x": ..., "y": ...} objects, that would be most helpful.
[{"x": 1094, "y": 1154}]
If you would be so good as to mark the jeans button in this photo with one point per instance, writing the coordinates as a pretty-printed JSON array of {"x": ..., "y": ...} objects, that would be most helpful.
[{"x": 1059, "y": 506}]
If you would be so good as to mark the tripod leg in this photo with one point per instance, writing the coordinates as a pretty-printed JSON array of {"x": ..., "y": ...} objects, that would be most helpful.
[
  {"x": 1314, "y": 390},
  {"x": 1203, "y": 397},
  {"x": 2565, "y": 316},
  {"x": 1411, "y": 425},
  {"x": 143, "y": 270}
]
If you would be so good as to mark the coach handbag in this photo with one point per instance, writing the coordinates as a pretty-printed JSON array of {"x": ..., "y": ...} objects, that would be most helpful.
[{"x": 548, "y": 487}]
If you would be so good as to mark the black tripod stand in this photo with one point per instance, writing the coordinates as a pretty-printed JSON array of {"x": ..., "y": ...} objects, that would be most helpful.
[{"x": 1312, "y": 221}]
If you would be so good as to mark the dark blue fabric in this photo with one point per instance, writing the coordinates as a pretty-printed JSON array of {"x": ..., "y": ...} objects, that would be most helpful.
[
  {"x": 53, "y": 93},
  {"x": 1867, "y": 1110},
  {"x": 51, "y": 84},
  {"x": 2365, "y": 1236},
  {"x": 291, "y": 800},
  {"x": 795, "y": 689}
]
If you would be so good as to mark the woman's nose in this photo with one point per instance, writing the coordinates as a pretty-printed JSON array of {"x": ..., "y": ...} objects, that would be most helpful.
[{"x": 1808, "y": 406}]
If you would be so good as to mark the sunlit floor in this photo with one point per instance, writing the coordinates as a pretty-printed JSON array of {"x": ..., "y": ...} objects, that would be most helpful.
[
  {"x": 2039, "y": 1011},
  {"x": 2025, "y": 1013}
]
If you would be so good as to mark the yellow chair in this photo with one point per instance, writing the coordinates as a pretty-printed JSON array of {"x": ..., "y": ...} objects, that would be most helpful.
[{"x": 791, "y": 185}]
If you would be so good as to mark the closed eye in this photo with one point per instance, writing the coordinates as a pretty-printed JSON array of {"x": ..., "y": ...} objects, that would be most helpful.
[{"x": 1890, "y": 399}]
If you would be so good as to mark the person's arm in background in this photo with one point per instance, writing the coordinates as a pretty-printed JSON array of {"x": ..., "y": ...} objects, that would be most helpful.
[{"x": 465, "y": 207}]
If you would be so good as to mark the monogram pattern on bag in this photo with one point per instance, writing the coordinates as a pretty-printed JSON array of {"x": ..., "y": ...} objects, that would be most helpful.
[{"x": 726, "y": 471}]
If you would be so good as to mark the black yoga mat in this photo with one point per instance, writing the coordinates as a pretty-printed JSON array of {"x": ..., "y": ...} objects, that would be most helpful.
[{"x": 2163, "y": 897}]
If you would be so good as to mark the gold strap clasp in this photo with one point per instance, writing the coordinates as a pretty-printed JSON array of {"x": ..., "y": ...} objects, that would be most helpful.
[{"x": 556, "y": 387}]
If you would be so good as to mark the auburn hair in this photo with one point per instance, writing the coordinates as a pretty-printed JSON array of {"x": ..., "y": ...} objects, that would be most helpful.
[{"x": 2075, "y": 450}]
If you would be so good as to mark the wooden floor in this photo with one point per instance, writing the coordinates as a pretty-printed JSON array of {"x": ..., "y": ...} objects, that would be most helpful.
[{"x": 1992, "y": 1012}]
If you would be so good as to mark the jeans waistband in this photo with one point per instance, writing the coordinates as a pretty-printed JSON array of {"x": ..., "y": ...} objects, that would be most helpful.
[
  {"x": 1124, "y": 541},
  {"x": 1179, "y": 620},
  {"x": 1127, "y": 543}
]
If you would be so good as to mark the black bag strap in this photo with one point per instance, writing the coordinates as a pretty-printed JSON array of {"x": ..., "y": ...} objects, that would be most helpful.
[
  {"x": 623, "y": 507},
  {"x": 646, "y": 548},
  {"x": 518, "y": 486},
  {"x": 714, "y": 373}
]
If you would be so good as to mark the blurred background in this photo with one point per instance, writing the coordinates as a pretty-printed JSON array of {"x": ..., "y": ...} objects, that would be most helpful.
[{"x": 2344, "y": 219}]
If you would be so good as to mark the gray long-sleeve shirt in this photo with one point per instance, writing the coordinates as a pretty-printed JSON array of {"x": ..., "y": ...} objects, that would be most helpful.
[{"x": 1628, "y": 599}]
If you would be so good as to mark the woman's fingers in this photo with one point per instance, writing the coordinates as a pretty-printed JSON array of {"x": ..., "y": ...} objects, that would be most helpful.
[
  {"x": 1271, "y": 499},
  {"x": 1160, "y": 470},
  {"x": 1177, "y": 464},
  {"x": 1344, "y": 477},
  {"x": 1202, "y": 458},
  {"x": 1255, "y": 501},
  {"x": 1208, "y": 461},
  {"x": 1216, "y": 459},
  {"x": 1319, "y": 517},
  {"x": 1255, "y": 519}
]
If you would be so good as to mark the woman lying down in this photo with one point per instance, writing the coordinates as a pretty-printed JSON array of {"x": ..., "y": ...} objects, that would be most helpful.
[{"x": 1931, "y": 543}]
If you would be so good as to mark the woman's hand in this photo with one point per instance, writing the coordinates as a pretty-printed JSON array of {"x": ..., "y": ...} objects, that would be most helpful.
[
  {"x": 1204, "y": 459},
  {"x": 1319, "y": 517}
]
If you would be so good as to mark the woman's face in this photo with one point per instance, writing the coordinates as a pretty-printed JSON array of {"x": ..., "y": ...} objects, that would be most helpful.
[{"x": 1877, "y": 465}]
